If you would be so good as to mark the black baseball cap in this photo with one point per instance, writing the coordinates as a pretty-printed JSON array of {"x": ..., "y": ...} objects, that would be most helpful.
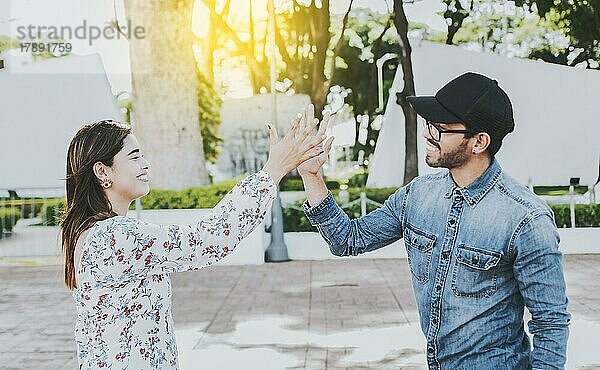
[{"x": 472, "y": 99}]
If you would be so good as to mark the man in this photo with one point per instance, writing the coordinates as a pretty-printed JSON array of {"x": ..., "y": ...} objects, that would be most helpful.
[{"x": 480, "y": 246}]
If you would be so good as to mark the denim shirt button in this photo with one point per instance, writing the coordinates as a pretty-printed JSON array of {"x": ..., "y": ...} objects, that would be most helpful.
[
  {"x": 434, "y": 321},
  {"x": 430, "y": 350},
  {"x": 445, "y": 255},
  {"x": 438, "y": 287},
  {"x": 452, "y": 222}
]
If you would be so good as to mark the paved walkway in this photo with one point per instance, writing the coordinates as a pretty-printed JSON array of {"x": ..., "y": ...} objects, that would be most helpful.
[{"x": 352, "y": 313}]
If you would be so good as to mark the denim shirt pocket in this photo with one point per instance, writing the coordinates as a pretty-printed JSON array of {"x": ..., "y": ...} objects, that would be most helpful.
[
  {"x": 475, "y": 272},
  {"x": 419, "y": 246}
]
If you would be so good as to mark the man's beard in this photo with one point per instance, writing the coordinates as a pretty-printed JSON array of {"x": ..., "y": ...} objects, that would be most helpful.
[{"x": 449, "y": 160}]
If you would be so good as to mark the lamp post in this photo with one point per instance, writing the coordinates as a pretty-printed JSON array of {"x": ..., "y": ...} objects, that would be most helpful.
[
  {"x": 277, "y": 250},
  {"x": 573, "y": 182},
  {"x": 379, "y": 63}
]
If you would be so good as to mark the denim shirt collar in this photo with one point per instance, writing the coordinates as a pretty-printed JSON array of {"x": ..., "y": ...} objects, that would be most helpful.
[{"x": 476, "y": 190}]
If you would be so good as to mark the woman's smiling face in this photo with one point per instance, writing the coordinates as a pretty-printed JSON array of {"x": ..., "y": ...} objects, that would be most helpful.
[{"x": 129, "y": 172}]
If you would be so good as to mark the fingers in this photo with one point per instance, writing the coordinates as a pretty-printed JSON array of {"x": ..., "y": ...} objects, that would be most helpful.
[
  {"x": 310, "y": 114},
  {"x": 324, "y": 123},
  {"x": 303, "y": 132},
  {"x": 314, "y": 141},
  {"x": 303, "y": 114},
  {"x": 273, "y": 137},
  {"x": 319, "y": 151},
  {"x": 328, "y": 145},
  {"x": 308, "y": 129},
  {"x": 312, "y": 153},
  {"x": 295, "y": 126}
]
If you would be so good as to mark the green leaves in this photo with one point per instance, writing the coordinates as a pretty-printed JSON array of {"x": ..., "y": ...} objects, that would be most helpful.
[
  {"x": 579, "y": 20},
  {"x": 8, "y": 218},
  {"x": 197, "y": 197},
  {"x": 209, "y": 104}
]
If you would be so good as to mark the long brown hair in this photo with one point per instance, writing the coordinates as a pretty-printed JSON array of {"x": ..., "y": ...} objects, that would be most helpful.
[{"x": 87, "y": 203}]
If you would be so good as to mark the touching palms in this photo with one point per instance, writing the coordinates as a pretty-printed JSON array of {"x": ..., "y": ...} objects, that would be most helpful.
[{"x": 313, "y": 165}]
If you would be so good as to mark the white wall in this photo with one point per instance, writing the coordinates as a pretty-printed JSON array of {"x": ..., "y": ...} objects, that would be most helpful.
[
  {"x": 41, "y": 107},
  {"x": 557, "y": 116},
  {"x": 311, "y": 246}
]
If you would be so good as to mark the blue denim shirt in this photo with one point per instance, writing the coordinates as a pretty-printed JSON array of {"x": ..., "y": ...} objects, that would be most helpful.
[{"x": 477, "y": 255}]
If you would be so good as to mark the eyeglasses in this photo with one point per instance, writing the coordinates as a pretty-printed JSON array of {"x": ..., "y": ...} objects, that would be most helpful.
[{"x": 436, "y": 131}]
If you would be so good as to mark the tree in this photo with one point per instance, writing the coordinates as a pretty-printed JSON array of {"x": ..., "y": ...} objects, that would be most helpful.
[
  {"x": 555, "y": 31},
  {"x": 368, "y": 37},
  {"x": 257, "y": 68},
  {"x": 303, "y": 40},
  {"x": 580, "y": 22},
  {"x": 313, "y": 54},
  {"x": 411, "y": 165},
  {"x": 165, "y": 92},
  {"x": 455, "y": 15},
  {"x": 209, "y": 106}
]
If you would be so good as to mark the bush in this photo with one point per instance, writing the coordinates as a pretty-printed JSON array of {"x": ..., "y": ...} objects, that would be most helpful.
[
  {"x": 8, "y": 218},
  {"x": 293, "y": 184},
  {"x": 378, "y": 195},
  {"x": 358, "y": 180},
  {"x": 558, "y": 190},
  {"x": 332, "y": 184},
  {"x": 52, "y": 211},
  {"x": 295, "y": 220},
  {"x": 198, "y": 197},
  {"x": 586, "y": 215}
]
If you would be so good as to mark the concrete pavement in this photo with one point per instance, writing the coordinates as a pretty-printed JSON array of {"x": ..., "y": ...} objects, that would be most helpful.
[{"x": 335, "y": 314}]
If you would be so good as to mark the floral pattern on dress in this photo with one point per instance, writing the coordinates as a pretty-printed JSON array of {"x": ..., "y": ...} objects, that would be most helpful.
[{"x": 123, "y": 295}]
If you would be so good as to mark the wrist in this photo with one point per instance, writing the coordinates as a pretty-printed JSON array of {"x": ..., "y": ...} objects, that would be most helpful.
[
  {"x": 309, "y": 175},
  {"x": 275, "y": 173}
]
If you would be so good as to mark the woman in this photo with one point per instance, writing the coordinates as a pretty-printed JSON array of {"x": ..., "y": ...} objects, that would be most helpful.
[{"x": 118, "y": 267}]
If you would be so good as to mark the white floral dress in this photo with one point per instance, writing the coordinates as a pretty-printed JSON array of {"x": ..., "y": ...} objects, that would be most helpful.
[{"x": 123, "y": 295}]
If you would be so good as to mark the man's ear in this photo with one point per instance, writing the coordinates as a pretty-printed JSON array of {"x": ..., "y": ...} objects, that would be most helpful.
[
  {"x": 482, "y": 142},
  {"x": 100, "y": 170}
]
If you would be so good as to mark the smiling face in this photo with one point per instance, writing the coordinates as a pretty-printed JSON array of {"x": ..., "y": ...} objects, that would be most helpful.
[
  {"x": 452, "y": 150},
  {"x": 129, "y": 172}
]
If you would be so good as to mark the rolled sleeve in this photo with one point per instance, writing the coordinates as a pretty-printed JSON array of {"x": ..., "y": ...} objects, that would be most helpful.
[{"x": 323, "y": 212}]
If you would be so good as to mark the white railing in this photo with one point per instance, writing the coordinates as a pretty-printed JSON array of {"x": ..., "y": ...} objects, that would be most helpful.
[{"x": 24, "y": 206}]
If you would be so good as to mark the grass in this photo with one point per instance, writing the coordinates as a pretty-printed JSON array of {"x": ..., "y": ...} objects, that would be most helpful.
[{"x": 558, "y": 190}]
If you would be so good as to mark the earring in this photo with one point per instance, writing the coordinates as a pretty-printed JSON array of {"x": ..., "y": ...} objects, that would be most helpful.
[{"x": 107, "y": 183}]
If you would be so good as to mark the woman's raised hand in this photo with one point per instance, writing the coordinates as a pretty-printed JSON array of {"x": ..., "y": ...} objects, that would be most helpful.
[
  {"x": 312, "y": 166},
  {"x": 297, "y": 146}
]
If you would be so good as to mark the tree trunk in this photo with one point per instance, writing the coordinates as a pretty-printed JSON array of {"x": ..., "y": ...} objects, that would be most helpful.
[
  {"x": 411, "y": 168},
  {"x": 320, "y": 27},
  {"x": 209, "y": 44},
  {"x": 457, "y": 14},
  {"x": 164, "y": 97},
  {"x": 256, "y": 69}
]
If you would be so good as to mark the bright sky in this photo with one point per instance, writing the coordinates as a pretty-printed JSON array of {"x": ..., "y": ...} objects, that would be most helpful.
[{"x": 115, "y": 53}]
